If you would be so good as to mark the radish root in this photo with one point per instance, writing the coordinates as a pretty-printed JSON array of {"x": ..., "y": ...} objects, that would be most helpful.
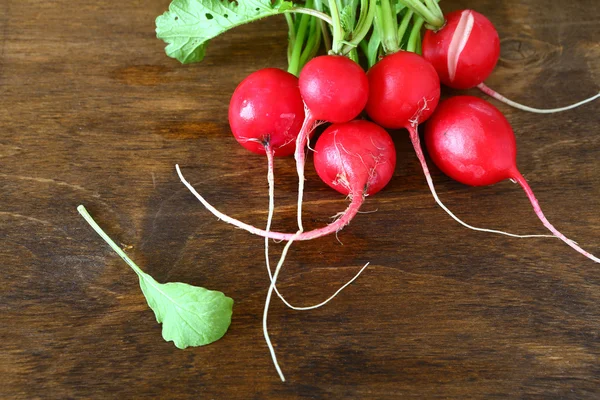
[
  {"x": 538, "y": 211},
  {"x": 302, "y": 142},
  {"x": 351, "y": 211},
  {"x": 268, "y": 301},
  {"x": 491, "y": 92},
  {"x": 271, "y": 181}
]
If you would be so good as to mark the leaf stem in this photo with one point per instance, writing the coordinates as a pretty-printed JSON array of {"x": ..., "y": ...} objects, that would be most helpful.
[
  {"x": 294, "y": 65},
  {"x": 388, "y": 27},
  {"x": 414, "y": 34},
  {"x": 314, "y": 13},
  {"x": 404, "y": 25},
  {"x": 313, "y": 43},
  {"x": 324, "y": 28},
  {"x": 291, "y": 36},
  {"x": 363, "y": 26},
  {"x": 435, "y": 9},
  {"x": 338, "y": 31},
  {"x": 433, "y": 16},
  {"x": 373, "y": 47},
  {"x": 84, "y": 213}
]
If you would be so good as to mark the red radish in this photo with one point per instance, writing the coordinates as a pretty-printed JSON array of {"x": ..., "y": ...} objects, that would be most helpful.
[
  {"x": 266, "y": 114},
  {"x": 266, "y": 108},
  {"x": 404, "y": 90},
  {"x": 356, "y": 158},
  {"x": 464, "y": 53},
  {"x": 334, "y": 89},
  {"x": 472, "y": 142}
]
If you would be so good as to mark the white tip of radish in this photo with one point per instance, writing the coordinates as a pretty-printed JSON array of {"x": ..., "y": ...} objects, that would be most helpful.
[{"x": 492, "y": 93}]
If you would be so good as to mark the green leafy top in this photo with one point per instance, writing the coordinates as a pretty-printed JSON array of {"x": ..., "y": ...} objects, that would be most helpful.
[
  {"x": 191, "y": 315},
  {"x": 190, "y": 24}
]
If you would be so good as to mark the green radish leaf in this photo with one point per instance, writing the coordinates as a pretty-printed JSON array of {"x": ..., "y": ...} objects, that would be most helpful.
[
  {"x": 190, "y": 24},
  {"x": 190, "y": 315}
]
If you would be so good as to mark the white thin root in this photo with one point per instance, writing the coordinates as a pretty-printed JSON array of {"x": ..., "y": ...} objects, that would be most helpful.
[
  {"x": 491, "y": 92},
  {"x": 271, "y": 181},
  {"x": 321, "y": 304},
  {"x": 268, "y": 301}
]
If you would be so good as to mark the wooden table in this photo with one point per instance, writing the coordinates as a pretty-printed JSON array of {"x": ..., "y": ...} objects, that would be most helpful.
[{"x": 92, "y": 112}]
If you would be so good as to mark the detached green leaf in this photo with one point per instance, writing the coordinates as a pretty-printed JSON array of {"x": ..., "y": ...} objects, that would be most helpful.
[
  {"x": 191, "y": 315},
  {"x": 190, "y": 24}
]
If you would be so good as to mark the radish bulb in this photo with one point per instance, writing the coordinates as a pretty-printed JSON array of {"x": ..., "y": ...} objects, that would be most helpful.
[
  {"x": 464, "y": 53},
  {"x": 472, "y": 142}
]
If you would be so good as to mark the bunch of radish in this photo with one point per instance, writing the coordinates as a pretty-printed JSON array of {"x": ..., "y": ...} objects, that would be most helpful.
[{"x": 274, "y": 113}]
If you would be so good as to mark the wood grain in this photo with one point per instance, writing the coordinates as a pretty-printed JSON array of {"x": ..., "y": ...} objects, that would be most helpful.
[{"x": 92, "y": 112}]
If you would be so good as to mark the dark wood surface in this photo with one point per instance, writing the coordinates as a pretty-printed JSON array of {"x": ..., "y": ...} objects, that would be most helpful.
[{"x": 92, "y": 112}]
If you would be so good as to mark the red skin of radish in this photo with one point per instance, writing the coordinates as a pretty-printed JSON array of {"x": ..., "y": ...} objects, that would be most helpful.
[
  {"x": 354, "y": 157},
  {"x": 477, "y": 59},
  {"x": 334, "y": 88},
  {"x": 267, "y": 107},
  {"x": 399, "y": 86},
  {"x": 472, "y": 142}
]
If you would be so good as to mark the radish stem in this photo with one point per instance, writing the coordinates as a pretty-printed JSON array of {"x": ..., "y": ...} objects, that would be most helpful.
[
  {"x": 414, "y": 34},
  {"x": 324, "y": 17},
  {"x": 404, "y": 25},
  {"x": 389, "y": 27},
  {"x": 84, "y": 213},
  {"x": 294, "y": 65},
  {"x": 338, "y": 30}
]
